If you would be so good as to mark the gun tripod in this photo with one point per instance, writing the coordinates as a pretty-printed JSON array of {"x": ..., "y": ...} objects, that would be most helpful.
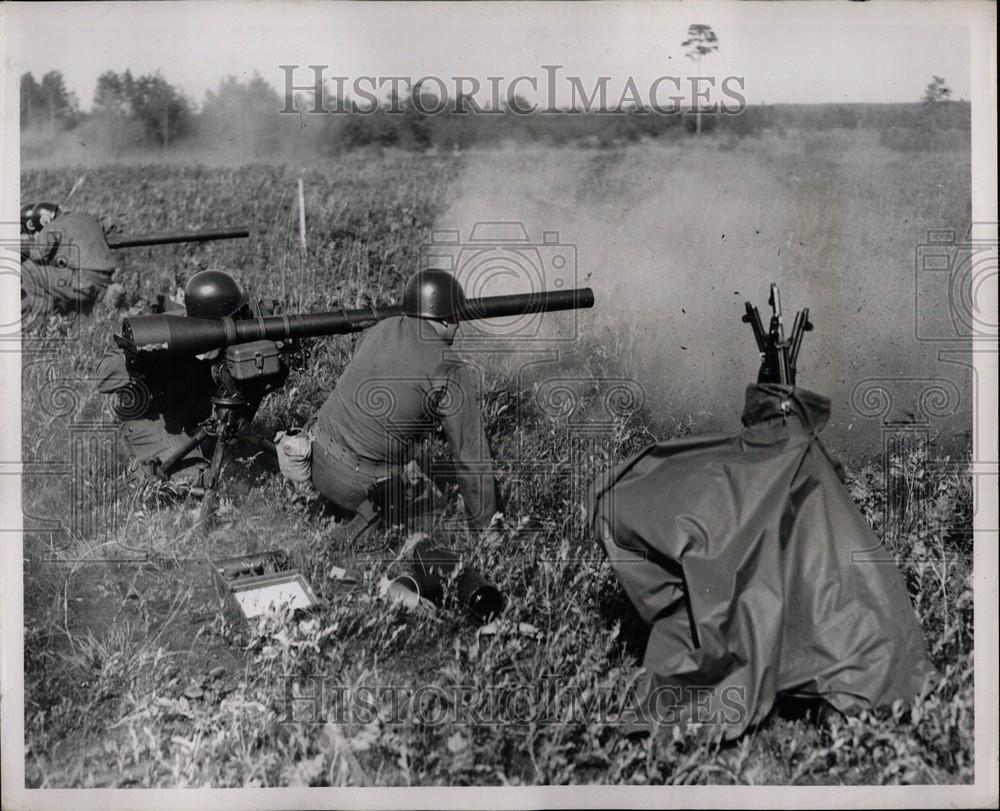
[{"x": 230, "y": 422}]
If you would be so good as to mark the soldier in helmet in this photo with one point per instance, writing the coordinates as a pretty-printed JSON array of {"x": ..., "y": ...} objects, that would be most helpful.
[
  {"x": 160, "y": 402},
  {"x": 402, "y": 382}
]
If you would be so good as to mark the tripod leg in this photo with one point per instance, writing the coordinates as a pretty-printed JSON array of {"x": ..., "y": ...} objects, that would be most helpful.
[
  {"x": 211, "y": 483},
  {"x": 167, "y": 462},
  {"x": 255, "y": 439}
]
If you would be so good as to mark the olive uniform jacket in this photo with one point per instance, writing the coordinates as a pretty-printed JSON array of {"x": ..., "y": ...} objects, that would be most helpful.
[
  {"x": 66, "y": 267},
  {"x": 159, "y": 405},
  {"x": 402, "y": 382}
]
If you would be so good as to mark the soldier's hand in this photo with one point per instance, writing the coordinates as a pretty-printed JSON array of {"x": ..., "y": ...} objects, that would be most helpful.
[
  {"x": 114, "y": 296},
  {"x": 152, "y": 470},
  {"x": 88, "y": 291}
]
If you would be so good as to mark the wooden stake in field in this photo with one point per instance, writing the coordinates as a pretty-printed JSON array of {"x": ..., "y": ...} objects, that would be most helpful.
[
  {"x": 77, "y": 185},
  {"x": 302, "y": 215},
  {"x": 302, "y": 238}
]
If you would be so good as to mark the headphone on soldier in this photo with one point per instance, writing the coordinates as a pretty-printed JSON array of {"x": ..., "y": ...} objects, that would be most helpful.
[{"x": 35, "y": 216}]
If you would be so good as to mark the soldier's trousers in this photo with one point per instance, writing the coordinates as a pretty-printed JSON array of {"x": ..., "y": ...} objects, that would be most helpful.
[
  {"x": 344, "y": 485},
  {"x": 46, "y": 289},
  {"x": 144, "y": 440},
  {"x": 351, "y": 489}
]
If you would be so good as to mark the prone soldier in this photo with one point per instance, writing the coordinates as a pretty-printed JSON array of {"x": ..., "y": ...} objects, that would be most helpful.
[
  {"x": 68, "y": 262},
  {"x": 67, "y": 265},
  {"x": 400, "y": 384}
]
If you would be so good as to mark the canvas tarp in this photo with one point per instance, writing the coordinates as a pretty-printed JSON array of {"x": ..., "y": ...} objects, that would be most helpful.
[{"x": 756, "y": 573}]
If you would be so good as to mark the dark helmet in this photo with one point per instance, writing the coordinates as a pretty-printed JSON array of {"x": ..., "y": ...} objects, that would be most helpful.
[
  {"x": 212, "y": 294},
  {"x": 433, "y": 294}
]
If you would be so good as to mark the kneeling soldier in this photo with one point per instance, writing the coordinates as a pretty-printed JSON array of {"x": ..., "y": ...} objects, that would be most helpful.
[{"x": 400, "y": 384}]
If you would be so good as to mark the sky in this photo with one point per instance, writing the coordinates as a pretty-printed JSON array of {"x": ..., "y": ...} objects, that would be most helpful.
[{"x": 785, "y": 52}]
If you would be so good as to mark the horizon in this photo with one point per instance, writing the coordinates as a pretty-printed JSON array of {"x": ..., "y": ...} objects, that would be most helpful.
[
  {"x": 197, "y": 104},
  {"x": 825, "y": 54}
]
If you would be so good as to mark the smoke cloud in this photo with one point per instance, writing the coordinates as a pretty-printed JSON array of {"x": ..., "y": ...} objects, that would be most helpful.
[{"x": 674, "y": 239}]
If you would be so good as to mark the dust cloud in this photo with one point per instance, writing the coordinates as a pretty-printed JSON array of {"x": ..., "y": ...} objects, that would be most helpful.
[
  {"x": 231, "y": 138},
  {"x": 674, "y": 239}
]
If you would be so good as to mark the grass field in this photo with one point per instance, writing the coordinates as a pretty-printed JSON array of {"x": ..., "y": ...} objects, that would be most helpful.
[{"x": 133, "y": 677}]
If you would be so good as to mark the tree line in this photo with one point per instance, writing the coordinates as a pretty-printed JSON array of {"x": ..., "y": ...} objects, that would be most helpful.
[{"x": 148, "y": 111}]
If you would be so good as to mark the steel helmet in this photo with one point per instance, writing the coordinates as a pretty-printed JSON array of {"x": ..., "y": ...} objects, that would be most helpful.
[
  {"x": 212, "y": 294},
  {"x": 434, "y": 294}
]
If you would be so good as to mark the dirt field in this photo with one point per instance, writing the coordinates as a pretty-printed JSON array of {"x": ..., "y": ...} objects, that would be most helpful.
[{"x": 134, "y": 678}]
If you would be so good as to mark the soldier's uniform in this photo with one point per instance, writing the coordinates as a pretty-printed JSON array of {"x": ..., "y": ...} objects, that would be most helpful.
[
  {"x": 399, "y": 386},
  {"x": 160, "y": 405},
  {"x": 66, "y": 266},
  {"x": 161, "y": 401}
]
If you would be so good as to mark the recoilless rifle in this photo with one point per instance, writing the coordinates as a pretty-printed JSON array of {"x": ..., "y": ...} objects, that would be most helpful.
[
  {"x": 255, "y": 355},
  {"x": 47, "y": 218}
]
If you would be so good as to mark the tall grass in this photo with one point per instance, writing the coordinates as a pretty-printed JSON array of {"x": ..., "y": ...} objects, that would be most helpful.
[{"x": 134, "y": 678}]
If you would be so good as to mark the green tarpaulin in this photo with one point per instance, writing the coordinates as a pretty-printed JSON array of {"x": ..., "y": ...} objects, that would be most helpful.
[{"x": 756, "y": 573}]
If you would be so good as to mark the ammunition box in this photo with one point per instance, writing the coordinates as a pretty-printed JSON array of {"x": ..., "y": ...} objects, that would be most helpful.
[
  {"x": 254, "y": 360},
  {"x": 250, "y": 585}
]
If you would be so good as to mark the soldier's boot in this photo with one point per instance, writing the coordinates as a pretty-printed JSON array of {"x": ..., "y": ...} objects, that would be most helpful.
[{"x": 357, "y": 532}]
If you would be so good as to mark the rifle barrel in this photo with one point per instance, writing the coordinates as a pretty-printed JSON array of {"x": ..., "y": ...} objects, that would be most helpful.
[
  {"x": 180, "y": 335},
  {"x": 170, "y": 237},
  {"x": 527, "y": 303},
  {"x": 752, "y": 317},
  {"x": 800, "y": 326},
  {"x": 775, "y": 300}
]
